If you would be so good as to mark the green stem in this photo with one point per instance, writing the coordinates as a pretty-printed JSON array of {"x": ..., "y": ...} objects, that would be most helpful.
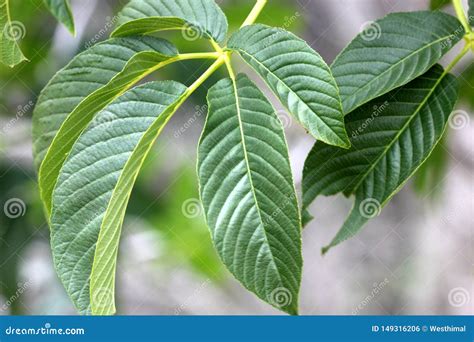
[
  {"x": 256, "y": 10},
  {"x": 457, "y": 59},
  {"x": 216, "y": 65},
  {"x": 458, "y": 7},
  {"x": 197, "y": 55}
]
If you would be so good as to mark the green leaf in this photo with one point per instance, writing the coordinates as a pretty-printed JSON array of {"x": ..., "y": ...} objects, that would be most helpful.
[
  {"x": 136, "y": 69},
  {"x": 298, "y": 76},
  {"x": 86, "y": 73},
  {"x": 11, "y": 32},
  {"x": 94, "y": 187},
  {"x": 247, "y": 191},
  {"x": 437, "y": 4},
  {"x": 392, "y": 51},
  {"x": 61, "y": 9},
  {"x": 203, "y": 17},
  {"x": 391, "y": 137}
]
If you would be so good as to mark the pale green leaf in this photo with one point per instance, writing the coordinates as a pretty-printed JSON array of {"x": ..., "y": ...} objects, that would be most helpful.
[
  {"x": 298, "y": 76},
  {"x": 391, "y": 137},
  {"x": 392, "y": 51},
  {"x": 94, "y": 186},
  {"x": 61, "y": 9},
  {"x": 201, "y": 17},
  {"x": 11, "y": 32},
  {"x": 136, "y": 69},
  {"x": 86, "y": 73},
  {"x": 248, "y": 195}
]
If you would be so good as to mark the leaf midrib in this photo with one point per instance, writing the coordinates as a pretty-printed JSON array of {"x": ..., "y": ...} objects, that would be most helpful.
[{"x": 247, "y": 163}]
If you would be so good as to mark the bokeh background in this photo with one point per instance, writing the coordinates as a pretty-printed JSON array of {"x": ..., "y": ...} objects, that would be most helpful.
[{"x": 415, "y": 258}]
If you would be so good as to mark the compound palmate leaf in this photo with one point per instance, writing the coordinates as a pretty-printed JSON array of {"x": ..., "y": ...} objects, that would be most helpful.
[
  {"x": 391, "y": 52},
  {"x": 86, "y": 73},
  {"x": 10, "y": 33},
  {"x": 298, "y": 76},
  {"x": 199, "y": 17},
  {"x": 391, "y": 137},
  {"x": 61, "y": 9},
  {"x": 248, "y": 195},
  {"x": 94, "y": 186},
  {"x": 141, "y": 64}
]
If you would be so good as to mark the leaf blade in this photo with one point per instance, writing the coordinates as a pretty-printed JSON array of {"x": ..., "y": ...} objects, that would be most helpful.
[
  {"x": 388, "y": 54},
  {"x": 98, "y": 177},
  {"x": 390, "y": 148},
  {"x": 242, "y": 134},
  {"x": 299, "y": 77},
  {"x": 204, "y": 15},
  {"x": 61, "y": 9},
  {"x": 10, "y": 52}
]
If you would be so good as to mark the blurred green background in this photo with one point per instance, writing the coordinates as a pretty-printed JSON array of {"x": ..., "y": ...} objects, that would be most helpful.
[{"x": 415, "y": 254}]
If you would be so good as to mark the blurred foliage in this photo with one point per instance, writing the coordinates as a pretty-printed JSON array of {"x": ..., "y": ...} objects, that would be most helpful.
[
  {"x": 428, "y": 181},
  {"x": 467, "y": 87},
  {"x": 19, "y": 224},
  {"x": 438, "y": 4}
]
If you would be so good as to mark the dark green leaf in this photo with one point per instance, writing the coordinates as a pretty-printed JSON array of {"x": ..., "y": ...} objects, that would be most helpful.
[
  {"x": 391, "y": 137},
  {"x": 392, "y": 51},
  {"x": 248, "y": 194}
]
